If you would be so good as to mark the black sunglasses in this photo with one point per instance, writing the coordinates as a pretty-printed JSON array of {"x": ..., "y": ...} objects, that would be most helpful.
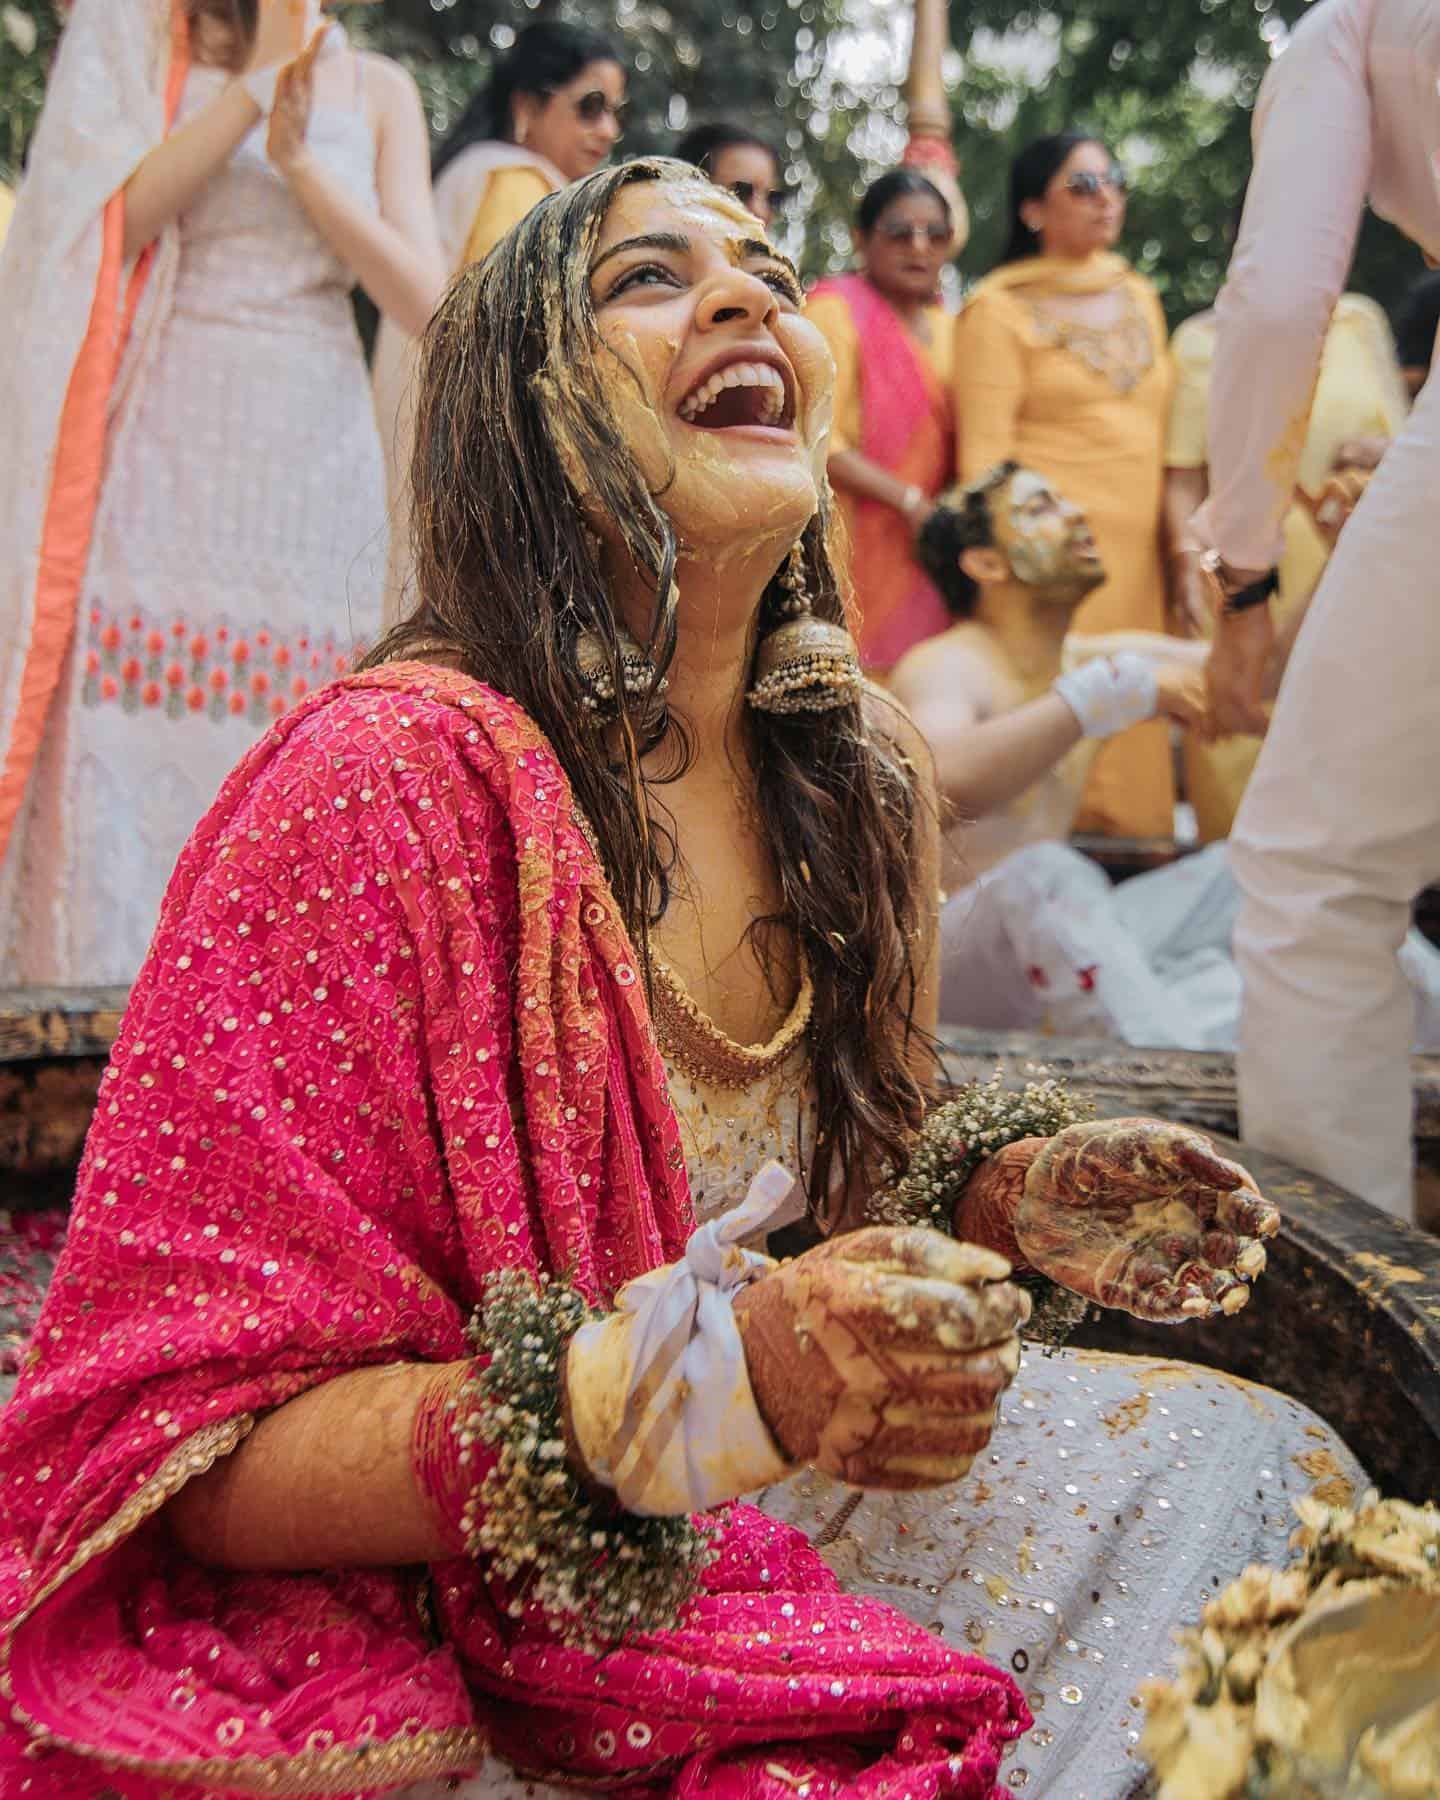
[
  {"x": 745, "y": 192},
  {"x": 1088, "y": 185},
  {"x": 896, "y": 232},
  {"x": 592, "y": 108}
]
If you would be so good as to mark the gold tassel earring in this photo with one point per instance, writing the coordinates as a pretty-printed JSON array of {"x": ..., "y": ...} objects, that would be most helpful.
[{"x": 804, "y": 664}]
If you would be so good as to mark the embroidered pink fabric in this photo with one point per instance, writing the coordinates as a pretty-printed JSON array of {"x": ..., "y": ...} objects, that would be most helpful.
[{"x": 390, "y": 1036}]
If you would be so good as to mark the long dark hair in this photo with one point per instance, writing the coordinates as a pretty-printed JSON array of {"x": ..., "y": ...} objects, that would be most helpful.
[
  {"x": 895, "y": 184},
  {"x": 1031, "y": 173},
  {"x": 543, "y": 57},
  {"x": 507, "y": 574}
]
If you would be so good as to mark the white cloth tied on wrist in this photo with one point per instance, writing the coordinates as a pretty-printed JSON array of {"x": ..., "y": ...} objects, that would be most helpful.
[
  {"x": 260, "y": 84},
  {"x": 660, "y": 1400},
  {"x": 1110, "y": 693}
]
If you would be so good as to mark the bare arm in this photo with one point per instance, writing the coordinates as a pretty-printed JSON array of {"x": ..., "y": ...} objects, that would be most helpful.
[
  {"x": 1313, "y": 154},
  {"x": 175, "y": 171},
  {"x": 326, "y": 1481},
  {"x": 1185, "y": 492},
  {"x": 396, "y": 257},
  {"x": 857, "y": 474},
  {"x": 981, "y": 764}
]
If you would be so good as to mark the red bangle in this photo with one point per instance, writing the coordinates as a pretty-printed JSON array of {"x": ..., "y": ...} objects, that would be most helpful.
[{"x": 447, "y": 1467}]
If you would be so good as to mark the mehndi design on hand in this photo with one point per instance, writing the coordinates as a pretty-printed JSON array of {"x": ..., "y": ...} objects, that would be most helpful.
[
  {"x": 881, "y": 1356},
  {"x": 1145, "y": 1216}
]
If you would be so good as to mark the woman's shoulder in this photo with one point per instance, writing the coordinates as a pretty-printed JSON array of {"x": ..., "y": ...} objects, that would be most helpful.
[
  {"x": 389, "y": 87},
  {"x": 429, "y": 721},
  {"x": 828, "y": 309},
  {"x": 993, "y": 305}
]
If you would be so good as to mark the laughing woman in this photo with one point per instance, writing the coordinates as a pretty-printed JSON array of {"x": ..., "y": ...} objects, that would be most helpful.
[{"x": 515, "y": 956}]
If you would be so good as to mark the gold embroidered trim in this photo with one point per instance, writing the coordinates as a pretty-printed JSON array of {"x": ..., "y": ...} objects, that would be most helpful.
[
  {"x": 1122, "y": 353},
  {"x": 692, "y": 1041},
  {"x": 414, "y": 1756}
]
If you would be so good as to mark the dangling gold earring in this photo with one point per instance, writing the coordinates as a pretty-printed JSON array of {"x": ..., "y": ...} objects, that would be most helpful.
[
  {"x": 804, "y": 664},
  {"x": 637, "y": 677}
]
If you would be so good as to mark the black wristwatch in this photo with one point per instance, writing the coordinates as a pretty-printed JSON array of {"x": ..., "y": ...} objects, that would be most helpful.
[{"x": 1212, "y": 568}]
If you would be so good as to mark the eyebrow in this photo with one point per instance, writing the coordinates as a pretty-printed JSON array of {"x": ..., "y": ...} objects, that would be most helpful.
[{"x": 682, "y": 245}]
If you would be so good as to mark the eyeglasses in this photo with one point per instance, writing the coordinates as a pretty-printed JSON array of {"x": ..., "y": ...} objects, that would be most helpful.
[
  {"x": 1087, "y": 185},
  {"x": 592, "y": 108},
  {"x": 898, "y": 233},
  {"x": 746, "y": 191}
]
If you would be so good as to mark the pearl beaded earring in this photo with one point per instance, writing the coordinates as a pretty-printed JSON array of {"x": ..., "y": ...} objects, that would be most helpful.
[{"x": 804, "y": 664}]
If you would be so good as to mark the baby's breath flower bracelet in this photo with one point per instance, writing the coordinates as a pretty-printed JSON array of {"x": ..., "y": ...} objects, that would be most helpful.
[
  {"x": 980, "y": 1119},
  {"x": 605, "y": 1573}
]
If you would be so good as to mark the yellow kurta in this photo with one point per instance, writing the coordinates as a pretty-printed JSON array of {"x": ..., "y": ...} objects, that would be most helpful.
[
  {"x": 1359, "y": 393},
  {"x": 509, "y": 195},
  {"x": 879, "y": 545},
  {"x": 1068, "y": 410}
]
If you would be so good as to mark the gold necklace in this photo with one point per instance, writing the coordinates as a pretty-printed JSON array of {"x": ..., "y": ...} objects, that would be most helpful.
[
  {"x": 690, "y": 1038},
  {"x": 693, "y": 1042}
]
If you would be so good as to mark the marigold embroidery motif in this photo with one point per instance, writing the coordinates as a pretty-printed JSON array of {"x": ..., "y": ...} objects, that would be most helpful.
[{"x": 218, "y": 671}]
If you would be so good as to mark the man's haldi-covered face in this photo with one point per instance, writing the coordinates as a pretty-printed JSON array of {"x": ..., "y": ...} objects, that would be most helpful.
[{"x": 1044, "y": 537}]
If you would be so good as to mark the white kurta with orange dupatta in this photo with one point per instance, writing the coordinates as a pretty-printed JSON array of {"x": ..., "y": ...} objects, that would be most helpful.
[{"x": 200, "y": 538}]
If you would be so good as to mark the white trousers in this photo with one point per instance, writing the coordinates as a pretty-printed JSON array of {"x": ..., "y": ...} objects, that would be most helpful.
[{"x": 1338, "y": 832}]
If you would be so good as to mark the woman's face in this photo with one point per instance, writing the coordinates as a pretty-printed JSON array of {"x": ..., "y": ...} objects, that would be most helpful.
[
  {"x": 578, "y": 125},
  {"x": 752, "y": 175},
  {"x": 906, "y": 248},
  {"x": 1083, "y": 207},
  {"x": 719, "y": 384}
]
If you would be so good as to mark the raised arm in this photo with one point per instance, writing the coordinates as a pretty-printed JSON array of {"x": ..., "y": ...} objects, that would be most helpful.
[
  {"x": 396, "y": 257},
  {"x": 1297, "y": 236},
  {"x": 175, "y": 171}
]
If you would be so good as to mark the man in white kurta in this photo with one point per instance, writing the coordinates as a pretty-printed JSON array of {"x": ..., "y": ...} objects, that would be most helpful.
[{"x": 1340, "y": 827}]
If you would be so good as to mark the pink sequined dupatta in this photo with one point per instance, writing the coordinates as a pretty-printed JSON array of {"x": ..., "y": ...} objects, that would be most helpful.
[{"x": 390, "y": 1036}]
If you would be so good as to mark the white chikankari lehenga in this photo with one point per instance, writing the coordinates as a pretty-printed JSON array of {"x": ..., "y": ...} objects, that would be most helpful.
[
  {"x": 1118, "y": 1494},
  {"x": 237, "y": 558}
]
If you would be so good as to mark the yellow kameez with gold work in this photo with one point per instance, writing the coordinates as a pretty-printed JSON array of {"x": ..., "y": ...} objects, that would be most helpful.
[
  {"x": 509, "y": 195},
  {"x": 1086, "y": 407},
  {"x": 1359, "y": 393}
]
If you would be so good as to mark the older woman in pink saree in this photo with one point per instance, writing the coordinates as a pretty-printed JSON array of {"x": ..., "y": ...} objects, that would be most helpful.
[{"x": 434, "y": 996}]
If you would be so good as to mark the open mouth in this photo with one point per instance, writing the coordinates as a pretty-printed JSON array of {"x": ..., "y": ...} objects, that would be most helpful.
[{"x": 742, "y": 393}]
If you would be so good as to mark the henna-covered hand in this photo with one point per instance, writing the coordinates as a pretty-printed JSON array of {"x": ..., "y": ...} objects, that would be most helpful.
[
  {"x": 881, "y": 1356},
  {"x": 1143, "y": 1215}
]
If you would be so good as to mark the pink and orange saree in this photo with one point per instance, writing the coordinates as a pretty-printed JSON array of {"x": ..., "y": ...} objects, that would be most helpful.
[
  {"x": 390, "y": 1036},
  {"x": 907, "y": 426}
]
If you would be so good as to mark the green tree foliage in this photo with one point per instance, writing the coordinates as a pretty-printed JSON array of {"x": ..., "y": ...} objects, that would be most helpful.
[
  {"x": 752, "y": 61},
  {"x": 1167, "y": 83},
  {"x": 29, "y": 31},
  {"x": 1170, "y": 89}
]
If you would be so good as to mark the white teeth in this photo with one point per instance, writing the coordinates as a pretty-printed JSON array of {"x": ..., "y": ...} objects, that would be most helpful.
[{"x": 734, "y": 375}]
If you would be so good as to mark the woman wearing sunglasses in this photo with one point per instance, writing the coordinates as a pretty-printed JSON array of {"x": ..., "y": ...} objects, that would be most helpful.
[
  {"x": 551, "y": 113},
  {"x": 740, "y": 161},
  {"x": 1060, "y": 364},
  {"x": 892, "y": 448}
]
